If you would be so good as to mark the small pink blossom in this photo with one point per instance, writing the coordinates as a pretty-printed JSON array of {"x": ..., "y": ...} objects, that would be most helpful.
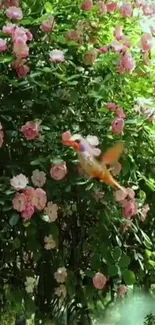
[
  {"x": 104, "y": 49},
  {"x": 66, "y": 135},
  {"x": 111, "y": 6},
  {"x": 126, "y": 9},
  {"x": 1, "y": 138},
  {"x": 73, "y": 35},
  {"x": 38, "y": 178},
  {"x": 22, "y": 70},
  {"x": 14, "y": 13},
  {"x": 60, "y": 275},
  {"x": 9, "y": 29},
  {"x": 10, "y": 3},
  {"x": 48, "y": 25},
  {"x": 120, "y": 113},
  {"x": 50, "y": 243},
  {"x": 120, "y": 195},
  {"x": 19, "y": 202},
  {"x": 102, "y": 7},
  {"x": 28, "y": 212},
  {"x": 3, "y": 45},
  {"x": 30, "y": 130},
  {"x": 127, "y": 63},
  {"x": 111, "y": 106},
  {"x": 87, "y": 5},
  {"x": 29, "y": 193},
  {"x": 58, "y": 171},
  {"x": 148, "y": 9},
  {"x": 125, "y": 41},
  {"x": 116, "y": 169},
  {"x": 56, "y": 56},
  {"x": 130, "y": 192},
  {"x": 19, "y": 182},
  {"x": 130, "y": 209},
  {"x": 90, "y": 56},
  {"x": 144, "y": 212},
  {"x": 20, "y": 48},
  {"x": 40, "y": 199},
  {"x": 118, "y": 47},
  {"x": 122, "y": 290},
  {"x": 52, "y": 211},
  {"x": 118, "y": 32},
  {"x": 61, "y": 291},
  {"x": 99, "y": 281},
  {"x": 146, "y": 42},
  {"x": 117, "y": 125}
]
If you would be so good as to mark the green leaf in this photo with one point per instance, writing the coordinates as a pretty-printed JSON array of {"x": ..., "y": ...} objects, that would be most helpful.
[
  {"x": 5, "y": 59},
  {"x": 124, "y": 261},
  {"x": 113, "y": 270},
  {"x": 16, "y": 243},
  {"x": 48, "y": 7},
  {"x": 14, "y": 219},
  {"x": 129, "y": 277},
  {"x": 117, "y": 253}
]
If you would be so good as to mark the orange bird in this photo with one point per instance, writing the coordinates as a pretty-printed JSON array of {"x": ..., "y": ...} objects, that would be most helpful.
[{"x": 93, "y": 167}]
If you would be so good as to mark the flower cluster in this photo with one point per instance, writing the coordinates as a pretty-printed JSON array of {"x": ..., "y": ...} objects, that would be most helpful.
[
  {"x": 118, "y": 123},
  {"x": 128, "y": 202}
]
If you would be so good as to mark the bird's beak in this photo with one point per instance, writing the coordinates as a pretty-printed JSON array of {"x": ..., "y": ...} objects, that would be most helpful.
[{"x": 72, "y": 144}]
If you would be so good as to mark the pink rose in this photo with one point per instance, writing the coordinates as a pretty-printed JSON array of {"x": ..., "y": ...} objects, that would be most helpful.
[
  {"x": 30, "y": 130},
  {"x": 19, "y": 182},
  {"x": 118, "y": 32},
  {"x": 29, "y": 193},
  {"x": 111, "y": 6},
  {"x": 3, "y": 45},
  {"x": 102, "y": 7},
  {"x": 146, "y": 42},
  {"x": 127, "y": 63},
  {"x": 9, "y": 29},
  {"x": 48, "y": 25},
  {"x": 56, "y": 56},
  {"x": 66, "y": 135},
  {"x": 148, "y": 9},
  {"x": 111, "y": 106},
  {"x": 116, "y": 169},
  {"x": 120, "y": 113},
  {"x": 90, "y": 56},
  {"x": 40, "y": 199},
  {"x": 14, "y": 13},
  {"x": 126, "y": 9},
  {"x": 122, "y": 290},
  {"x": 73, "y": 35},
  {"x": 117, "y": 125},
  {"x": 19, "y": 202},
  {"x": 130, "y": 209},
  {"x": 20, "y": 48},
  {"x": 120, "y": 195},
  {"x": 87, "y": 5},
  {"x": 28, "y": 212},
  {"x": 1, "y": 138},
  {"x": 118, "y": 47},
  {"x": 58, "y": 171},
  {"x": 126, "y": 41},
  {"x": 104, "y": 49},
  {"x": 22, "y": 70},
  {"x": 10, "y": 3},
  {"x": 144, "y": 212},
  {"x": 99, "y": 281}
]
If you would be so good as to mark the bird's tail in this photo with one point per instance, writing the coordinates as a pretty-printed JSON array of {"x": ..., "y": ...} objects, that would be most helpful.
[{"x": 109, "y": 180}]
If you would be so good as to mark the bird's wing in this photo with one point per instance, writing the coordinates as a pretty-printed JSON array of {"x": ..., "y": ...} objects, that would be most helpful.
[{"x": 113, "y": 154}]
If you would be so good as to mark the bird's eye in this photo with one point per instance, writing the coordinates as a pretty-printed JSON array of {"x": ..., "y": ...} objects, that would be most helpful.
[{"x": 77, "y": 141}]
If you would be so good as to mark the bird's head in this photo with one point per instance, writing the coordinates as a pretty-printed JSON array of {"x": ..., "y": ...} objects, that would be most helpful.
[{"x": 76, "y": 142}]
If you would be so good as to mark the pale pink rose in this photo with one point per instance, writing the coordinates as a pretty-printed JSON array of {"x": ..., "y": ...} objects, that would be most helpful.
[
  {"x": 99, "y": 280},
  {"x": 111, "y": 6},
  {"x": 127, "y": 63},
  {"x": 73, "y": 35},
  {"x": 118, "y": 32},
  {"x": 122, "y": 290},
  {"x": 50, "y": 243},
  {"x": 58, "y": 171},
  {"x": 9, "y": 29},
  {"x": 1, "y": 138},
  {"x": 120, "y": 195},
  {"x": 10, "y": 3},
  {"x": 61, "y": 275},
  {"x": 93, "y": 140},
  {"x": 20, "y": 48},
  {"x": 130, "y": 192},
  {"x": 48, "y": 25},
  {"x": 87, "y": 5},
  {"x": 148, "y": 9},
  {"x": 102, "y": 7},
  {"x": 103, "y": 49},
  {"x": 19, "y": 202},
  {"x": 125, "y": 41},
  {"x": 19, "y": 32},
  {"x": 130, "y": 209},
  {"x": 90, "y": 56},
  {"x": 116, "y": 169},
  {"x": 118, "y": 47},
  {"x": 146, "y": 42},
  {"x": 120, "y": 113},
  {"x": 14, "y": 13},
  {"x": 28, "y": 212},
  {"x": 22, "y": 70},
  {"x": 61, "y": 291},
  {"x": 40, "y": 199},
  {"x": 30, "y": 130},
  {"x": 19, "y": 182},
  {"x": 66, "y": 135},
  {"x": 3, "y": 45},
  {"x": 144, "y": 212},
  {"x": 117, "y": 125},
  {"x": 29, "y": 192},
  {"x": 111, "y": 106},
  {"x": 52, "y": 211},
  {"x": 38, "y": 178},
  {"x": 56, "y": 56},
  {"x": 140, "y": 3},
  {"x": 126, "y": 9}
]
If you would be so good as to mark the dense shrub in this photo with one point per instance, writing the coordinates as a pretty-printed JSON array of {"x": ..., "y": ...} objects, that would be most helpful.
[{"x": 71, "y": 66}]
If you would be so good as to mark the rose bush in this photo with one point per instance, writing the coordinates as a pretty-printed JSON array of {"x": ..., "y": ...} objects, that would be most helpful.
[{"x": 70, "y": 67}]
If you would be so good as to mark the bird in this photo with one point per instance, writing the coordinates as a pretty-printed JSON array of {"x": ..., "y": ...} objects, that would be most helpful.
[{"x": 87, "y": 155}]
